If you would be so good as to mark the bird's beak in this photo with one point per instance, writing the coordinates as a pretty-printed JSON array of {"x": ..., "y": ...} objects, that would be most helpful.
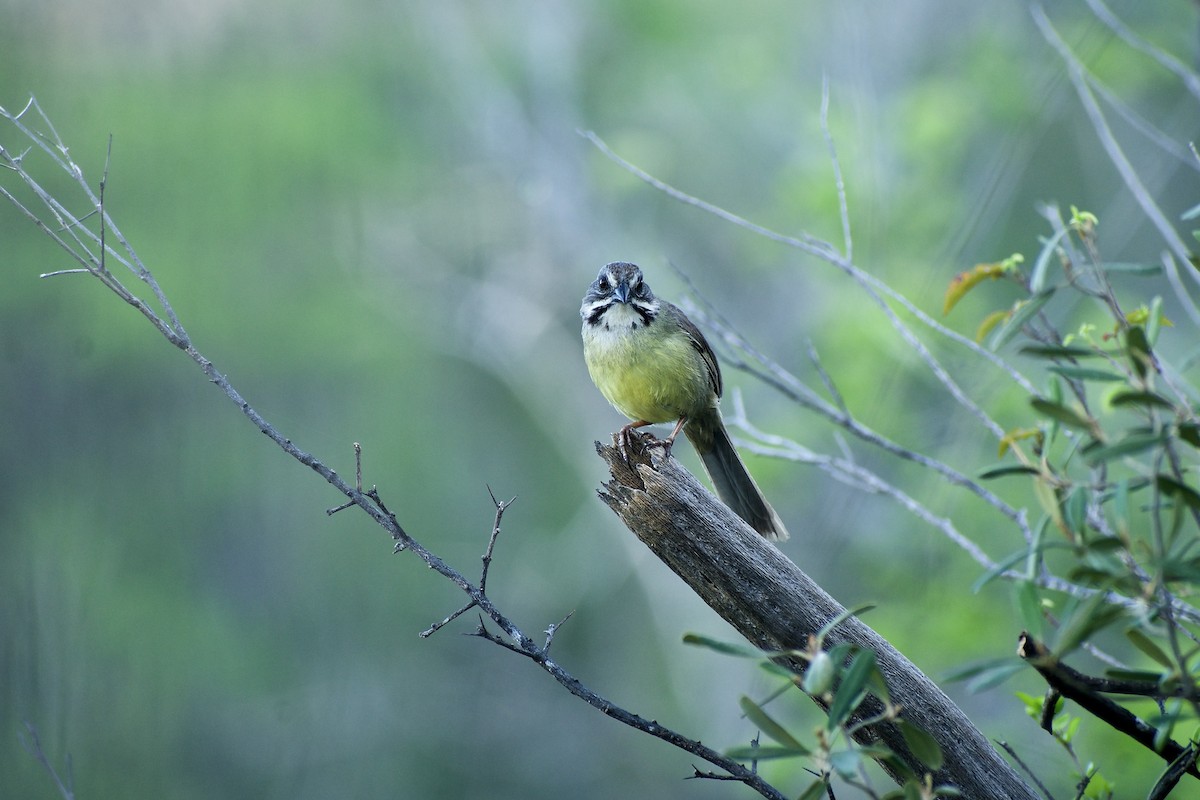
[{"x": 622, "y": 291}]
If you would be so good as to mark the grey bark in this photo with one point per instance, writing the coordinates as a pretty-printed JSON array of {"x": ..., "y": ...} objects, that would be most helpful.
[{"x": 776, "y": 606}]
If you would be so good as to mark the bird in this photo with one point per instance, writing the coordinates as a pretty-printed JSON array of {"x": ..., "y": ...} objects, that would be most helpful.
[{"x": 654, "y": 366}]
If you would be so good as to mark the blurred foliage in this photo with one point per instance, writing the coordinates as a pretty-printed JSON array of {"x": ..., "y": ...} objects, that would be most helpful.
[
  {"x": 1112, "y": 461},
  {"x": 378, "y": 221}
]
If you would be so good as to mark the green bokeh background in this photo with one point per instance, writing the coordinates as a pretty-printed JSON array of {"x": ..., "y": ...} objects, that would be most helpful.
[{"x": 377, "y": 220}]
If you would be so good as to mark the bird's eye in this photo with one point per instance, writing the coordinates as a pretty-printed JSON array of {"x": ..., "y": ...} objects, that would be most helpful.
[
  {"x": 602, "y": 283},
  {"x": 639, "y": 289}
]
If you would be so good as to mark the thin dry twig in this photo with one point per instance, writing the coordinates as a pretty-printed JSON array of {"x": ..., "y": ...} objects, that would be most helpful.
[
  {"x": 873, "y": 286},
  {"x": 1165, "y": 60},
  {"x": 512, "y": 637},
  {"x": 1112, "y": 148},
  {"x": 33, "y": 743}
]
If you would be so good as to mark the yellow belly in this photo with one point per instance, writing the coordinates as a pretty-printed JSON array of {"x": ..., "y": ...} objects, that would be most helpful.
[{"x": 647, "y": 375}]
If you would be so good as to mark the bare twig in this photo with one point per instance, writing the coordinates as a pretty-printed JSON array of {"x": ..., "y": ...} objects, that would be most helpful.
[
  {"x": 1012, "y": 753},
  {"x": 873, "y": 286},
  {"x": 1116, "y": 155},
  {"x": 1166, "y": 60},
  {"x": 839, "y": 182},
  {"x": 501, "y": 507},
  {"x": 512, "y": 637},
  {"x": 790, "y": 386},
  {"x": 33, "y": 744}
]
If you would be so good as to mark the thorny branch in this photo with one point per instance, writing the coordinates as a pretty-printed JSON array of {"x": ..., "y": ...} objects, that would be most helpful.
[{"x": 78, "y": 241}]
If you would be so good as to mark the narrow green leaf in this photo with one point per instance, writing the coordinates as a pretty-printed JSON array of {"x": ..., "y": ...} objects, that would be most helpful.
[
  {"x": 989, "y": 679},
  {"x": 851, "y": 691},
  {"x": 1105, "y": 544},
  {"x": 1142, "y": 675},
  {"x": 1037, "y": 278},
  {"x": 1154, "y": 320},
  {"x": 724, "y": 648},
  {"x": 1020, "y": 316},
  {"x": 1190, "y": 433},
  {"x": 845, "y": 763},
  {"x": 1074, "y": 510},
  {"x": 1135, "y": 398},
  {"x": 1030, "y": 605},
  {"x": 755, "y": 713},
  {"x": 1136, "y": 442},
  {"x": 998, "y": 569},
  {"x": 922, "y": 745},
  {"x": 1139, "y": 270},
  {"x": 1138, "y": 349},
  {"x": 1012, "y": 559},
  {"x": 1082, "y": 620},
  {"x": 966, "y": 671},
  {"x": 1058, "y": 351},
  {"x": 815, "y": 790},
  {"x": 1121, "y": 506},
  {"x": 842, "y": 617},
  {"x": 1085, "y": 373},
  {"x": 1190, "y": 214},
  {"x": 1181, "y": 491},
  {"x": 763, "y": 753},
  {"x": 1007, "y": 469},
  {"x": 1059, "y": 412}
]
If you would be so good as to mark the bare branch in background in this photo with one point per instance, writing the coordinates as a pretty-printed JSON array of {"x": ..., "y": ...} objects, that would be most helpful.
[
  {"x": 1078, "y": 76},
  {"x": 79, "y": 243}
]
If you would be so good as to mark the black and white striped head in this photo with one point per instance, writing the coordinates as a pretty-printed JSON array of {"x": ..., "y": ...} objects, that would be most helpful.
[{"x": 619, "y": 298}]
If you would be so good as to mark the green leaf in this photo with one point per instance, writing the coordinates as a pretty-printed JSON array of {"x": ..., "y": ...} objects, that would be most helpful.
[
  {"x": 815, "y": 790},
  {"x": 1135, "y": 442},
  {"x": 755, "y": 713},
  {"x": 1021, "y": 315},
  {"x": 922, "y": 745},
  {"x": 1138, "y": 348},
  {"x": 845, "y": 763},
  {"x": 818, "y": 678},
  {"x": 1121, "y": 506},
  {"x": 724, "y": 648},
  {"x": 1180, "y": 491},
  {"x": 1058, "y": 351},
  {"x": 763, "y": 753},
  {"x": 1030, "y": 605},
  {"x": 1132, "y": 398},
  {"x": 1142, "y": 675},
  {"x": 1061, "y": 413},
  {"x": 1154, "y": 320},
  {"x": 1082, "y": 620},
  {"x": 999, "y": 568},
  {"x": 1190, "y": 433},
  {"x": 842, "y": 617},
  {"x": 1037, "y": 278},
  {"x": 996, "y": 675},
  {"x": 1085, "y": 373},
  {"x": 1007, "y": 469},
  {"x": 1074, "y": 510},
  {"x": 1140, "y": 270},
  {"x": 851, "y": 691}
]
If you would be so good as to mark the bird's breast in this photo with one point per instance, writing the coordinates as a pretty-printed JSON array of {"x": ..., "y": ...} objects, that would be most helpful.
[{"x": 646, "y": 373}]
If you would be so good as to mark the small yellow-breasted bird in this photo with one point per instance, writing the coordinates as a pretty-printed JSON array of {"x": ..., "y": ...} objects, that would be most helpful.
[{"x": 653, "y": 364}]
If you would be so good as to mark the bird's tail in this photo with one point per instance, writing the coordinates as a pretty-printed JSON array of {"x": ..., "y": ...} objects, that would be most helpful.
[{"x": 729, "y": 476}]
